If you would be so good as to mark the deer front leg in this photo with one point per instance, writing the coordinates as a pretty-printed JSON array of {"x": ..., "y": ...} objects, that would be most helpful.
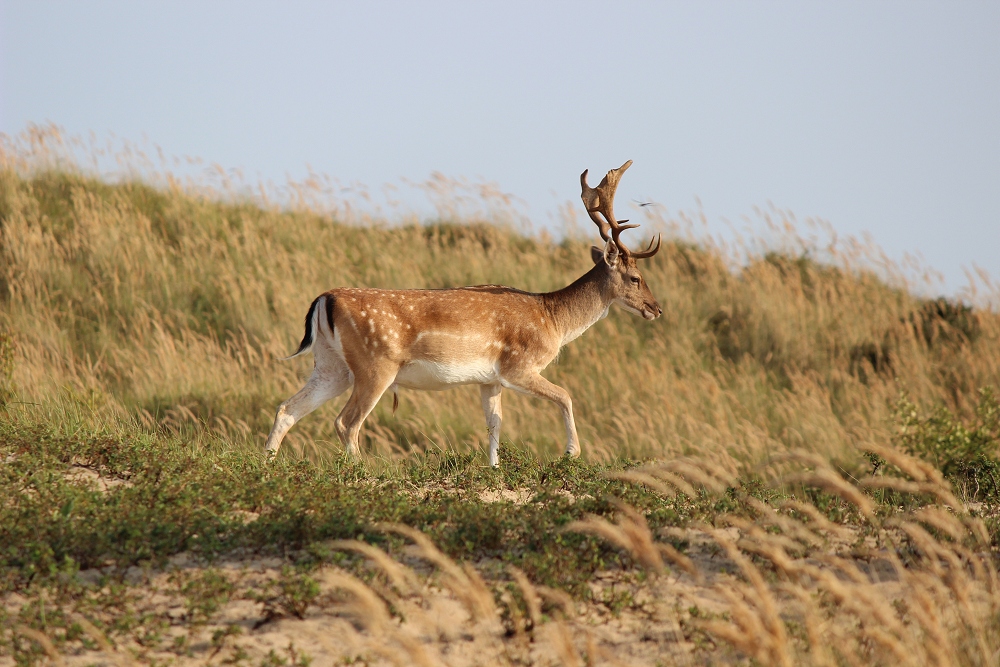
[
  {"x": 535, "y": 385},
  {"x": 490, "y": 394}
]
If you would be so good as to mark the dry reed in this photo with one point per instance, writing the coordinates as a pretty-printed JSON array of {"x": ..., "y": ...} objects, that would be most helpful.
[{"x": 170, "y": 307}]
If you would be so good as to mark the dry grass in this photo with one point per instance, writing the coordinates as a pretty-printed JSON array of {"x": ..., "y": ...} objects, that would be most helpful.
[
  {"x": 941, "y": 606},
  {"x": 170, "y": 309},
  {"x": 165, "y": 309}
]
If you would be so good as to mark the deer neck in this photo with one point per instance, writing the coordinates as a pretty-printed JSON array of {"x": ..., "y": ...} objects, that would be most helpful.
[{"x": 576, "y": 307}]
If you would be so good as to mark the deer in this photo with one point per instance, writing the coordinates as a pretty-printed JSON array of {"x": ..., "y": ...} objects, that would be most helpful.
[{"x": 376, "y": 340}]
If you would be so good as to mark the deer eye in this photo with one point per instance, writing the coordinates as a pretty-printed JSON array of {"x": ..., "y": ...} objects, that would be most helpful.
[{"x": 635, "y": 280}]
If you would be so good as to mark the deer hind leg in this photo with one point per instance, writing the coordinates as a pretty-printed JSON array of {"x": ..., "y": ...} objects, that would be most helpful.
[
  {"x": 322, "y": 385},
  {"x": 494, "y": 417},
  {"x": 363, "y": 399},
  {"x": 535, "y": 385}
]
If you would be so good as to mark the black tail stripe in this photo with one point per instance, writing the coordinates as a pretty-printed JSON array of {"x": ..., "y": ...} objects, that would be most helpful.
[
  {"x": 329, "y": 312},
  {"x": 307, "y": 339}
]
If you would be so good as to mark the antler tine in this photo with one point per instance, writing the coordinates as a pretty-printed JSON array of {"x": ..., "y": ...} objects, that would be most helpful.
[
  {"x": 601, "y": 200},
  {"x": 649, "y": 251}
]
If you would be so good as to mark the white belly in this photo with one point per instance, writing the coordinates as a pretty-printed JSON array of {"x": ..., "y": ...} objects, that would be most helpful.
[{"x": 441, "y": 375}]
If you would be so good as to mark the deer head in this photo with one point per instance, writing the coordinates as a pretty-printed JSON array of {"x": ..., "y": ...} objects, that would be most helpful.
[{"x": 622, "y": 277}]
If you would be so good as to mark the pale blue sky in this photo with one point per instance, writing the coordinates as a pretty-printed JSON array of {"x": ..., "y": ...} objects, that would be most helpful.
[{"x": 876, "y": 116}]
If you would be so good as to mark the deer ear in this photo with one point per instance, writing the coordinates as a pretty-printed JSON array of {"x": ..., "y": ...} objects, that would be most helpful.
[
  {"x": 596, "y": 254},
  {"x": 611, "y": 253}
]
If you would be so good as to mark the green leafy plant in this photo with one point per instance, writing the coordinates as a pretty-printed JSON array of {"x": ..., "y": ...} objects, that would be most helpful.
[
  {"x": 967, "y": 452},
  {"x": 204, "y": 592},
  {"x": 290, "y": 595}
]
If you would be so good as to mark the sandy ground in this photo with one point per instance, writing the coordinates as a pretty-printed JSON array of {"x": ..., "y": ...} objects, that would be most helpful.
[{"x": 632, "y": 620}]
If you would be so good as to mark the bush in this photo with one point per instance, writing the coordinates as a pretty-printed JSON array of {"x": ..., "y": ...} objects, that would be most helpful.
[{"x": 967, "y": 453}]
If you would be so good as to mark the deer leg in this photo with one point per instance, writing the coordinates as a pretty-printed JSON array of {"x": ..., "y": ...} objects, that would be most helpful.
[
  {"x": 320, "y": 388},
  {"x": 362, "y": 401},
  {"x": 494, "y": 417},
  {"x": 535, "y": 385}
]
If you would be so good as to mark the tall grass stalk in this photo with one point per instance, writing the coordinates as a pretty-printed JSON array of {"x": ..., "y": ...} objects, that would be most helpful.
[{"x": 167, "y": 307}]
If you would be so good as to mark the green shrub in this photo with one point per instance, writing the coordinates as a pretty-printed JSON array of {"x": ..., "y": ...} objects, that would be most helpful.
[{"x": 967, "y": 453}]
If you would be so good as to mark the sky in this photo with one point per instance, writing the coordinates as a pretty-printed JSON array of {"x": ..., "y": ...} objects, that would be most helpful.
[{"x": 881, "y": 118}]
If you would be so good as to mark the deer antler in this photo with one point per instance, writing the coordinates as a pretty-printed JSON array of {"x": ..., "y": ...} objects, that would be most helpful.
[
  {"x": 649, "y": 251},
  {"x": 601, "y": 200}
]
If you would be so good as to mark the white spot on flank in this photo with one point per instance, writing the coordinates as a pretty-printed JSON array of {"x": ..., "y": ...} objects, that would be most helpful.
[
  {"x": 363, "y": 313},
  {"x": 407, "y": 326}
]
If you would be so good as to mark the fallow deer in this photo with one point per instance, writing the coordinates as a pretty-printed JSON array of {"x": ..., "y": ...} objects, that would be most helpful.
[{"x": 496, "y": 337}]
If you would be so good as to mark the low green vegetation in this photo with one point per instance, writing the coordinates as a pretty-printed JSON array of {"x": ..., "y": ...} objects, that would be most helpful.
[
  {"x": 144, "y": 499},
  {"x": 79, "y": 499}
]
